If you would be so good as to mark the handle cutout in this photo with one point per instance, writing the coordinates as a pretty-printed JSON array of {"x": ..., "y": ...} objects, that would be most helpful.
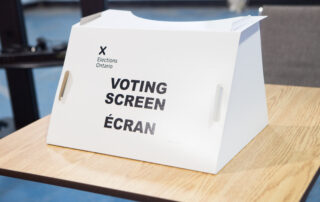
[
  {"x": 217, "y": 103},
  {"x": 63, "y": 85}
]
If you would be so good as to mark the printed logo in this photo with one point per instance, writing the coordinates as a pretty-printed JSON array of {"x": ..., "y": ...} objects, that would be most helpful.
[
  {"x": 104, "y": 61},
  {"x": 102, "y": 50}
]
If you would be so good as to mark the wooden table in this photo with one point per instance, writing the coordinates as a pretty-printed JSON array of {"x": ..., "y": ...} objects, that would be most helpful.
[{"x": 278, "y": 165}]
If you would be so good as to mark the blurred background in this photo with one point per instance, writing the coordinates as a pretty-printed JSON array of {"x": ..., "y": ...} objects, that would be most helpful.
[{"x": 34, "y": 36}]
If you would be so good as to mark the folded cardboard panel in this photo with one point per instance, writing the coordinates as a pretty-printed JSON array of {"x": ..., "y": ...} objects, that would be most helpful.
[{"x": 173, "y": 93}]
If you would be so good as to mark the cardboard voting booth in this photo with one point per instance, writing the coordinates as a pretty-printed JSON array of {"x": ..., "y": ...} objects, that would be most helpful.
[{"x": 184, "y": 94}]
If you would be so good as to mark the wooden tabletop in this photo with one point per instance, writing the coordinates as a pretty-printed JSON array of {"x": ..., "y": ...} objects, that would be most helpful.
[{"x": 277, "y": 165}]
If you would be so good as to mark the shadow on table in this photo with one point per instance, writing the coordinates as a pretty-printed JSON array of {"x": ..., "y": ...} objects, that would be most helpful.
[{"x": 6, "y": 127}]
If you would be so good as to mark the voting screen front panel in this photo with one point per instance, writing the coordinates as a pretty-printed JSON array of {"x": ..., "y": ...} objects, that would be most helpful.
[{"x": 136, "y": 97}]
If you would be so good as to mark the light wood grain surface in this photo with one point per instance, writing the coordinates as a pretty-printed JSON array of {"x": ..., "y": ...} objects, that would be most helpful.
[{"x": 277, "y": 165}]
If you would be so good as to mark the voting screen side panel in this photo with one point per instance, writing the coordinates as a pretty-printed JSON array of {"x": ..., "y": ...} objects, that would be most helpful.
[{"x": 247, "y": 109}]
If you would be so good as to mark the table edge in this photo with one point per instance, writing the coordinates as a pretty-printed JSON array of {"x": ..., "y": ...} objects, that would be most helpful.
[
  {"x": 80, "y": 186},
  {"x": 311, "y": 184}
]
